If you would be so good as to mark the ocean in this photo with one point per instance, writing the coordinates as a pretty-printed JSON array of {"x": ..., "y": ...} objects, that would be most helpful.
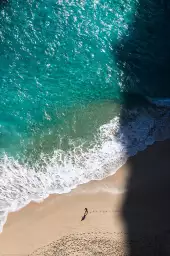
[{"x": 84, "y": 84}]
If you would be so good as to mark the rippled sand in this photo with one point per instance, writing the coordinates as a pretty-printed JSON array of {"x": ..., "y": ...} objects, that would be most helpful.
[{"x": 84, "y": 244}]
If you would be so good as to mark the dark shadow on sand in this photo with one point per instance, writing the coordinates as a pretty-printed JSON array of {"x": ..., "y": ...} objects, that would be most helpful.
[
  {"x": 146, "y": 209},
  {"x": 144, "y": 57}
]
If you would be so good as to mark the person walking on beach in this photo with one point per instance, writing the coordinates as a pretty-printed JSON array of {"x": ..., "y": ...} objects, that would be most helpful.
[
  {"x": 86, "y": 211},
  {"x": 85, "y": 214}
]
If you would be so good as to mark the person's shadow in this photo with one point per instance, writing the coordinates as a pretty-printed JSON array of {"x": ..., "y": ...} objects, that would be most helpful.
[{"x": 144, "y": 57}]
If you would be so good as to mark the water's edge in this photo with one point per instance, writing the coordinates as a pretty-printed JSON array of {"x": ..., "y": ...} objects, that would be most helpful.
[
  {"x": 36, "y": 200},
  {"x": 124, "y": 136}
]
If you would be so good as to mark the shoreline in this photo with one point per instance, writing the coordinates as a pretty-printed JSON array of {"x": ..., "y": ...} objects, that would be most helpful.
[
  {"x": 59, "y": 216},
  {"x": 57, "y": 206}
]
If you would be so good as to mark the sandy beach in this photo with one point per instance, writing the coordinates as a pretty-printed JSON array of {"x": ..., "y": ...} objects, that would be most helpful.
[{"x": 128, "y": 214}]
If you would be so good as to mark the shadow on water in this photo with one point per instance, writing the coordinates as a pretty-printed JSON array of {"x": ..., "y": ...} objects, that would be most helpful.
[
  {"x": 144, "y": 57},
  {"x": 3, "y": 2}
]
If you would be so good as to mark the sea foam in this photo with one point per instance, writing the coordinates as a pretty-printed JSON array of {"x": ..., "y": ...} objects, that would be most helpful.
[{"x": 114, "y": 142}]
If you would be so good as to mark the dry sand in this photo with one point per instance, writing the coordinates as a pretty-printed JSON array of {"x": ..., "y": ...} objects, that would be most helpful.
[{"x": 133, "y": 223}]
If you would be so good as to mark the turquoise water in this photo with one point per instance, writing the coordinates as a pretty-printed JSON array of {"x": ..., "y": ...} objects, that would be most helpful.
[
  {"x": 77, "y": 82},
  {"x": 55, "y": 56}
]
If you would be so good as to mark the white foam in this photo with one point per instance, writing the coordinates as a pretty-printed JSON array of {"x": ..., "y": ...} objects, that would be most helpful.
[{"x": 114, "y": 143}]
